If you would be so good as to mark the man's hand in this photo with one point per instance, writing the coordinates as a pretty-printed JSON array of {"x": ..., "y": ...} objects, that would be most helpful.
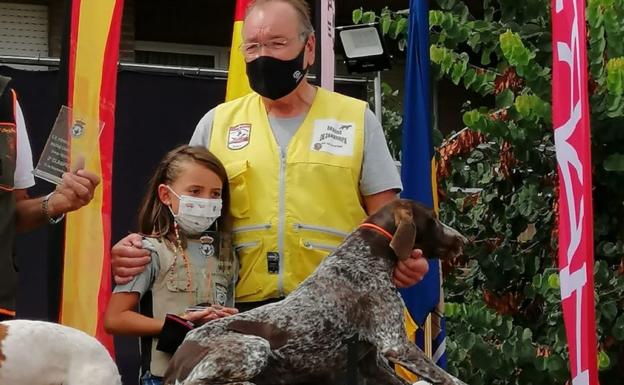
[
  {"x": 75, "y": 191},
  {"x": 411, "y": 270},
  {"x": 129, "y": 258}
]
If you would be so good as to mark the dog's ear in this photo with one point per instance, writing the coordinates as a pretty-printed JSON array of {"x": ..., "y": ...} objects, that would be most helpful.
[{"x": 405, "y": 235}]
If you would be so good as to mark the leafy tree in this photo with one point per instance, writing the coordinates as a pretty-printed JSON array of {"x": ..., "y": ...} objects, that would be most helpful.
[{"x": 499, "y": 186}]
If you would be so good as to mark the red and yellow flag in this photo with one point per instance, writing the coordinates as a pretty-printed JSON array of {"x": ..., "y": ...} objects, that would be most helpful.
[
  {"x": 93, "y": 54},
  {"x": 237, "y": 82}
]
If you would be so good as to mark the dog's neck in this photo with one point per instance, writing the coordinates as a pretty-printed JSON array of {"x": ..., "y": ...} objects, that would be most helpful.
[{"x": 377, "y": 228}]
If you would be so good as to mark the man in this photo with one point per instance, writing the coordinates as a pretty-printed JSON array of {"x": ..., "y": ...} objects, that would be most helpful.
[
  {"x": 18, "y": 212},
  {"x": 305, "y": 165}
]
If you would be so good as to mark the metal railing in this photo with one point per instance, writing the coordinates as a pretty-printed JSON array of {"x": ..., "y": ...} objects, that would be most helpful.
[{"x": 156, "y": 68}]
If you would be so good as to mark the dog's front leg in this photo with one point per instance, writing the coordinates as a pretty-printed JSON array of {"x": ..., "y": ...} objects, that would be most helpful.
[
  {"x": 413, "y": 359},
  {"x": 375, "y": 370},
  {"x": 386, "y": 331}
]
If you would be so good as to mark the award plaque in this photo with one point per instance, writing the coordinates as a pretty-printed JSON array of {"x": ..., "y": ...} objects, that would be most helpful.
[{"x": 69, "y": 144}]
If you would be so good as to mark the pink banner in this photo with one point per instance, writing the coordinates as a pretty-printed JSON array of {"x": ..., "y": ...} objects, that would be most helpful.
[
  {"x": 326, "y": 35},
  {"x": 572, "y": 141}
]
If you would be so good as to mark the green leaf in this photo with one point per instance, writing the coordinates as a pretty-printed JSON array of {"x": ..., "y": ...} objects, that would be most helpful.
[
  {"x": 609, "y": 311},
  {"x": 368, "y": 17},
  {"x": 468, "y": 340},
  {"x": 615, "y": 76},
  {"x": 459, "y": 69},
  {"x": 615, "y": 162},
  {"x": 504, "y": 99},
  {"x": 609, "y": 248},
  {"x": 527, "y": 336},
  {"x": 553, "y": 281},
  {"x": 356, "y": 15},
  {"x": 618, "y": 328},
  {"x": 392, "y": 29},
  {"x": 385, "y": 24},
  {"x": 435, "y": 18},
  {"x": 401, "y": 26},
  {"x": 603, "y": 360},
  {"x": 469, "y": 77},
  {"x": 402, "y": 44},
  {"x": 514, "y": 50},
  {"x": 555, "y": 363}
]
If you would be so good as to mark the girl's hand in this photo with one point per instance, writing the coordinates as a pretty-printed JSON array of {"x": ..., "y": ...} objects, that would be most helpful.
[{"x": 210, "y": 313}]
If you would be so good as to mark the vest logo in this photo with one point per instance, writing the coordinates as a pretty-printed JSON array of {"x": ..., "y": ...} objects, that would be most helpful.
[
  {"x": 238, "y": 136},
  {"x": 333, "y": 137}
]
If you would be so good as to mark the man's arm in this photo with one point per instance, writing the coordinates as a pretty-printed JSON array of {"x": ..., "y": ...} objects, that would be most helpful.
[
  {"x": 379, "y": 185},
  {"x": 129, "y": 258},
  {"x": 75, "y": 191},
  {"x": 374, "y": 202},
  {"x": 407, "y": 272}
]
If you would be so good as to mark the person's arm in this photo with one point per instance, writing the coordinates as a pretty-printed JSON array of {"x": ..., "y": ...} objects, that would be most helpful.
[
  {"x": 374, "y": 202},
  {"x": 75, "y": 191},
  {"x": 379, "y": 185},
  {"x": 121, "y": 319},
  {"x": 129, "y": 258}
]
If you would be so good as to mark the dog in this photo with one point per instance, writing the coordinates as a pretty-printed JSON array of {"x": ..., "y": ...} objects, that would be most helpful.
[
  {"x": 45, "y": 353},
  {"x": 303, "y": 339}
]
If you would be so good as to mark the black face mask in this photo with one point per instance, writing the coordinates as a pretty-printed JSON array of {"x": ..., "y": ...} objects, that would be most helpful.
[{"x": 274, "y": 78}]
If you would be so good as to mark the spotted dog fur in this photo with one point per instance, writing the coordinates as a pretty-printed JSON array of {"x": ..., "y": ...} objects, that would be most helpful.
[{"x": 303, "y": 338}]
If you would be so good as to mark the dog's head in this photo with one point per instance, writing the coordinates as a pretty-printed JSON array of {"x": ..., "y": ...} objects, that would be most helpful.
[{"x": 413, "y": 226}]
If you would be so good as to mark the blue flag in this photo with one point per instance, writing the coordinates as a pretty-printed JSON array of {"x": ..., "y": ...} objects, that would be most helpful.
[{"x": 416, "y": 159}]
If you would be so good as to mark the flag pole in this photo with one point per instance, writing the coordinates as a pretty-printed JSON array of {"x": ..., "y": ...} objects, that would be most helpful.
[{"x": 378, "y": 95}]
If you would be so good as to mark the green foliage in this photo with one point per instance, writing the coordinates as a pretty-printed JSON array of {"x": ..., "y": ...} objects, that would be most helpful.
[
  {"x": 505, "y": 323},
  {"x": 391, "y": 118}
]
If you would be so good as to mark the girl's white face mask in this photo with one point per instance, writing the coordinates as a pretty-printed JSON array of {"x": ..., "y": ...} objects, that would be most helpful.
[{"x": 196, "y": 215}]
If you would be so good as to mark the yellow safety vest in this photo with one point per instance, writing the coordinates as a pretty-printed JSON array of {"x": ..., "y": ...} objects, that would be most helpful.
[{"x": 290, "y": 210}]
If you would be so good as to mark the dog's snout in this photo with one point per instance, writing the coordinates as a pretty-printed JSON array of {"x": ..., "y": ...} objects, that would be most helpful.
[
  {"x": 454, "y": 242},
  {"x": 450, "y": 232}
]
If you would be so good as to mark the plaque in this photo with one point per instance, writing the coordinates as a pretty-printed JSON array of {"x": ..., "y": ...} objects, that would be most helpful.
[{"x": 71, "y": 141}]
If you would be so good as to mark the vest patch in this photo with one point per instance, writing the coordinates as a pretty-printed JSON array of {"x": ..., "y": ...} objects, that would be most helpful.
[
  {"x": 238, "y": 136},
  {"x": 333, "y": 137}
]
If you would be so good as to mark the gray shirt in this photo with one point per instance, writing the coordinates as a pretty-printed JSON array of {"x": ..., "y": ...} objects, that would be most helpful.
[
  {"x": 143, "y": 282},
  {"x": 379, "y": 173}
]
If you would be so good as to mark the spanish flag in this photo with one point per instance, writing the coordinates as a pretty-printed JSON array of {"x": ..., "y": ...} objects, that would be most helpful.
[
  {"x": 92, "y": 75},
  {"x": 237, "y": 82}
]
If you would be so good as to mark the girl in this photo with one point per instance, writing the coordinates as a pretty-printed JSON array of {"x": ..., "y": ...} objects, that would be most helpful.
[{"x": 191, "y": 274}]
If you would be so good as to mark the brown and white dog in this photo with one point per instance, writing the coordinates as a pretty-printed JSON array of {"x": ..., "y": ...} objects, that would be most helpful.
[
  {"x": 45, "y": 353},
  {"x": 304, "y": 338}
]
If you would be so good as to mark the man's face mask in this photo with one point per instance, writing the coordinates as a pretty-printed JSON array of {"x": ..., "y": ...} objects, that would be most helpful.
[{"x": 275, "y": 78}]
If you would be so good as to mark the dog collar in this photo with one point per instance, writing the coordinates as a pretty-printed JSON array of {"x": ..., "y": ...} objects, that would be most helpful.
[{"x": 379, "y": 229}]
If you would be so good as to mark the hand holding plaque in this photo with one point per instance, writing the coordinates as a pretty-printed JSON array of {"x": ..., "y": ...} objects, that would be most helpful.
[{"x": 68, "y": 145}]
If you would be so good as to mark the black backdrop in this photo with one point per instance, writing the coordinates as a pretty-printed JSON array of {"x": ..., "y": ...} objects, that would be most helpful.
[{"x": 155, "y": 112}]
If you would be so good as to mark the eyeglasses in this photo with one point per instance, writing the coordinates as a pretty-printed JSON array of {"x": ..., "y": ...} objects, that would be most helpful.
[{"x": 274, "y": 45}]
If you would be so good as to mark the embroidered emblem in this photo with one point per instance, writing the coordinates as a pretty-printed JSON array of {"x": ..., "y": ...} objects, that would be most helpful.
[
  {"x": 206, "y": 246},
  {"x": 333, "y": 137},
  {"x": 238, "y": 136},
  {"x": 78, "y": 128}
]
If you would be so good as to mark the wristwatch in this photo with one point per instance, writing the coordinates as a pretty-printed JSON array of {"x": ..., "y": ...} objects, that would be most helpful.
[{"x": 46, "y": 212}]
